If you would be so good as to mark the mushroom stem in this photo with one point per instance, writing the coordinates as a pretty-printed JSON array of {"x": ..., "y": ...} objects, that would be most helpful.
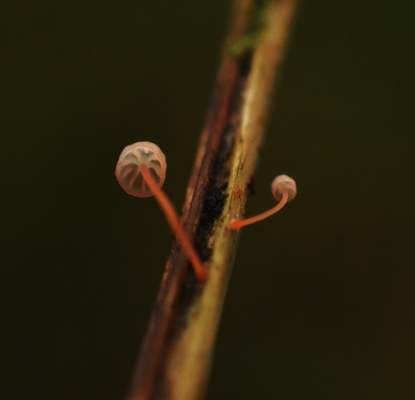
[
  {"x": 243, "y": 222},
  {"x": 174, "y": 222}
]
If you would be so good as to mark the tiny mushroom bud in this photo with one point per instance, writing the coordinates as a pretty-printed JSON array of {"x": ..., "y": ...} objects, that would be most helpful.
[
  {"x": 284, "y": 189},
  {"x": 141, "y": 170}
]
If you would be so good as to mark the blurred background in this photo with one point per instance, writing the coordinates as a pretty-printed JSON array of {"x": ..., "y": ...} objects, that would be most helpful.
[{"x": 321, "y": 304}]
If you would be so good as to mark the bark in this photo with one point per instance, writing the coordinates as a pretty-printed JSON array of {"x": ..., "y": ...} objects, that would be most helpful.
[{"x": 177, "y": 351}]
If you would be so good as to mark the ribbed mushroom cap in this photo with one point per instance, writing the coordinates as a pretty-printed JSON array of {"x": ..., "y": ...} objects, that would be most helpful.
[{"x": 128, "y": 172}]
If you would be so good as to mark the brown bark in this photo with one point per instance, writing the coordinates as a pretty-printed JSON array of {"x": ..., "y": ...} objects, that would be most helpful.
[{"x": 177, "y": 350}]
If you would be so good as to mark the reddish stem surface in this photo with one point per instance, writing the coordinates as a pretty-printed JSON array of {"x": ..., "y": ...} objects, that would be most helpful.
[
  {"x": 243, "y": 222},
  {"x": 174, "y": 222}
]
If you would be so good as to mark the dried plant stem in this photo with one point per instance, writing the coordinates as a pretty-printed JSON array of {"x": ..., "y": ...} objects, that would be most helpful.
[{"x": 177, "y": 350}]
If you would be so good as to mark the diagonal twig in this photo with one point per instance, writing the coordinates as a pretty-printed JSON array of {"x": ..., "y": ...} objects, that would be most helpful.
[{"x": 177, "y": 350}]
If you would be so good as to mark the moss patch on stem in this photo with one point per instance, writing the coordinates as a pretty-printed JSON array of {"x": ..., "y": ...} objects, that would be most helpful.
[{"x": 256, "y": 23}]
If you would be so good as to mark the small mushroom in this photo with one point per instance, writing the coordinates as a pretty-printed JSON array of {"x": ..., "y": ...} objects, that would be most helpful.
[
  {"x": 284, "y": 190},
  {"x": 141, "y": 171}
]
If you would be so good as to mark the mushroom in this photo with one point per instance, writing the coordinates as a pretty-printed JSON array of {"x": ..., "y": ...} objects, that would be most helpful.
[
  {"x": 283, "y": 189},
  {"x": 141, "y": 171}
]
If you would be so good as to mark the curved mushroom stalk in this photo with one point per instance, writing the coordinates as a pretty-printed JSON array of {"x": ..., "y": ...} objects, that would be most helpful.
[
  {"x": 141, "y": 171},
  {"x": 283, "y": 189}
]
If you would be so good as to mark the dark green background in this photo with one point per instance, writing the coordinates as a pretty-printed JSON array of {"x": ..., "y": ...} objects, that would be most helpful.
[{"x": 321, "y": 304}]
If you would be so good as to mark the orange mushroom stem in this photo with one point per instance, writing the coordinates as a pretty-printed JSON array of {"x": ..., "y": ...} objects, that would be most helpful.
[
  {"x": 174, "y": 222},
  {"x": 284, "y": 189},
  {"x": 141, "y": 171}
]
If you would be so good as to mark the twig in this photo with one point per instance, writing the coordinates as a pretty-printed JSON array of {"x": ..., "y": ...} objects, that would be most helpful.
[{"x": 177, "y": 350}]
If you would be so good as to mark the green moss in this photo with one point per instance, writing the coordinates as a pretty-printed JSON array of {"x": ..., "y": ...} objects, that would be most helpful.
[
  {"x": 242, "y": 46},
  {"x": 256, "y": 24}
]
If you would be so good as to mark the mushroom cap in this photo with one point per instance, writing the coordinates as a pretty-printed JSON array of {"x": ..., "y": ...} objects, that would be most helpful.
[
  {"x": 128, "y": 172},
  {"x": 283, "y": 181}
]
